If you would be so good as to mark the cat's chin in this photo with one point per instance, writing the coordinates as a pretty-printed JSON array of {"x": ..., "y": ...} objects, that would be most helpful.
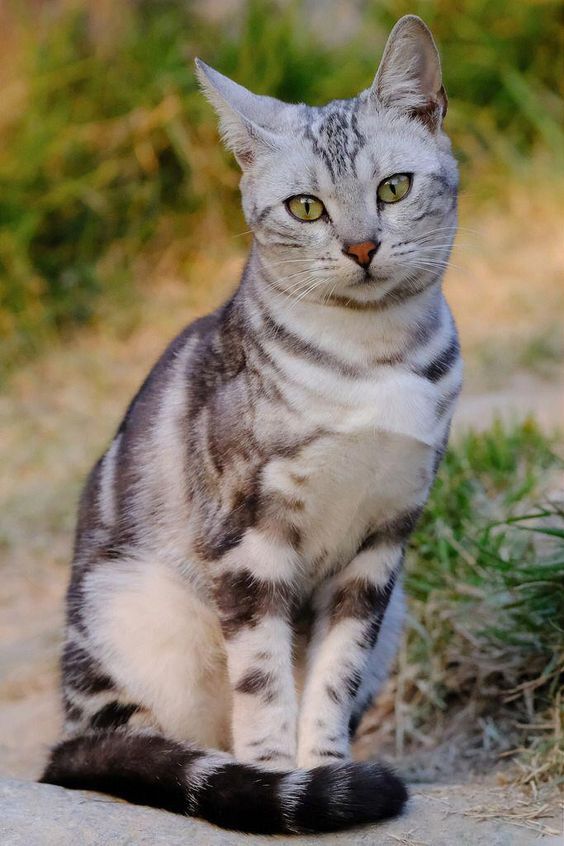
[{"x": 370, "y": 278}]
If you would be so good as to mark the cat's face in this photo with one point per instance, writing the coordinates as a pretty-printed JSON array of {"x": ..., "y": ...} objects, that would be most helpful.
[{"x": 355, "y": 200}]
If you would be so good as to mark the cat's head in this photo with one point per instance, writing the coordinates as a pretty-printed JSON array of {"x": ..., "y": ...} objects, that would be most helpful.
[{"x": 355, "y": 200}]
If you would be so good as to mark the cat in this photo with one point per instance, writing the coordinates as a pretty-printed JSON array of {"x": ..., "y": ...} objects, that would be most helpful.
[{"x": 236, "y": 595}]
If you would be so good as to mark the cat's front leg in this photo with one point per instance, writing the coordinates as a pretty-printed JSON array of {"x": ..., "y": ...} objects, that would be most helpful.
[
  {"x": 253, "y": 595},
  {"x": 349, "y": 614}
]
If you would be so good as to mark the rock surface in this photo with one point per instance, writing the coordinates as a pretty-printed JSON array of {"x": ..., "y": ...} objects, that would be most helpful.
[{"x": 40, "y": 815}]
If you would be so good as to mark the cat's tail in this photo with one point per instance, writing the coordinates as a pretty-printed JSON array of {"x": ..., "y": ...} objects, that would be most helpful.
[{"x": 151, "y": 770}]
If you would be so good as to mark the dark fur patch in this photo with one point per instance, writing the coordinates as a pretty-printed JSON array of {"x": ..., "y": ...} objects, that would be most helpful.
[
  {"x": 356, "y": 598},
  {"x": 363, "y": 600},
  {"x": 335, "y": 695},
  {"x": 371, "y": 793},
  {"x": 335, "y": 136},
  {"x": 242, "y": 798},
  {"x": 223, "y": 532},
  {"x": 442, "y": 363},
  {"x": 82, "y": 672},
  {"x": 255, "y": 681},
  {"x": 351, "y": 683},
  {"x": 243, "y": 600},
  {"x": 397, "y": 530},
  {"x": 329, "y": 753},
  {"x": 445, "y": 403},
  {"x": 145, "y": 770},
  {"x": 354, "y": 721},
  {"x": 272, "y": 755},
  {"x": 112, "y": 715},
  {"x": 72, "y": 711}
]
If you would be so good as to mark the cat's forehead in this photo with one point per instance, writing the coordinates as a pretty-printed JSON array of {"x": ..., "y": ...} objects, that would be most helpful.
[
  {"x": 334, "y": 134},
  {"x": 349, "y": 140}
]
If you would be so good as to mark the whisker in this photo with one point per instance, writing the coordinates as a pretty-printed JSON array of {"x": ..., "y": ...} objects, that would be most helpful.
[
  {"x": 287, "y": 261},
  {"x": 451, "y": 228},
  {"x": 426, "y": 264}
]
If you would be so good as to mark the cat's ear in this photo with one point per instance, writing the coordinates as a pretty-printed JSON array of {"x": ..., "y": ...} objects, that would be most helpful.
[
  {"x": 247, "y": 121},
  {"x": 409, "y": 76}
]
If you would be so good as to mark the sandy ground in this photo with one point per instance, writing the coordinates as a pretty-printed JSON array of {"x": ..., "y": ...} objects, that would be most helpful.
[
  {"x": 58, "y": 412},
  {"x": 42, "y": 815}
]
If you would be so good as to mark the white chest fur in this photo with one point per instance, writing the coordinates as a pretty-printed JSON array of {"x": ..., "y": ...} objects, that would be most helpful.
[{"x": 374, "y": 461}]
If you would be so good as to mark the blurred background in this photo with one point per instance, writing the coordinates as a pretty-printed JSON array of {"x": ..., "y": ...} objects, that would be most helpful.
[{"x": 120, "y": 222}]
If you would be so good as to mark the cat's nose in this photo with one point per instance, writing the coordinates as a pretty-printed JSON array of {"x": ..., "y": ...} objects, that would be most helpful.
[{"x": 361, "y": 253}]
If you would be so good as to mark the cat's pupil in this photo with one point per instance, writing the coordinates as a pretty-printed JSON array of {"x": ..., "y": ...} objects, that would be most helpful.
[
  {"x": 307, "y": 207},
  {"x": 393, "y": 188}
]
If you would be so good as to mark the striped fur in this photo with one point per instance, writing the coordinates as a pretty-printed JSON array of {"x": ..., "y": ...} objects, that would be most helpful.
[
  {"x": 236, "y": 584},
  {"x": 150, "y": 770}
]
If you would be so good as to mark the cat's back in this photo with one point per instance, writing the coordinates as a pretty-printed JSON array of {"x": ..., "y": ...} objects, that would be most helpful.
[{"x": 140, "y": 477}]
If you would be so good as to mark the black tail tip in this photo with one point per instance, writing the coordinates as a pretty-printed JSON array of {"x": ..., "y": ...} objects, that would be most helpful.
[
  {"x": 378, "y": 792},
  {"x": 347, "y": 795}
]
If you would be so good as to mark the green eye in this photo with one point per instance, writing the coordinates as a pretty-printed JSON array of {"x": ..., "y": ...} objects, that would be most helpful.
[
  {"x": 305, "y": 207},
  {"x": 394, "y": 188}
]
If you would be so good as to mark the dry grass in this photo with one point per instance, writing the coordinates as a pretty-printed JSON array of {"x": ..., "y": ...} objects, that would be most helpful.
[{"x": 520, "y": 814}]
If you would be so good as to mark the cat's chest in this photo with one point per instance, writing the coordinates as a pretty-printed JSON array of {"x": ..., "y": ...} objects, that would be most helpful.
[{"x": 372, "y": 459}]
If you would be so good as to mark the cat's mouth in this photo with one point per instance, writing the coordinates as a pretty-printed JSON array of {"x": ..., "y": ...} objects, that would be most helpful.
[{"x": 370, "y": 276}]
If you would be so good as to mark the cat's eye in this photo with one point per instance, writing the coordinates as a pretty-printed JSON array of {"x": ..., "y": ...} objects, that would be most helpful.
[
  {"x": 305, "y": 207},
  {"x": 394, "y": 188}
]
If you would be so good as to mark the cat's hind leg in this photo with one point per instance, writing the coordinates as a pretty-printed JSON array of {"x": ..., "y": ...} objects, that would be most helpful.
[
  {"x": 381, "y": 658},
  {"x": 146, "y": 647}
]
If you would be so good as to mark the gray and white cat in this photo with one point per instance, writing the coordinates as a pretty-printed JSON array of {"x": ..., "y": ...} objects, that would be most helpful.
[{"x": 236, "y": 598}]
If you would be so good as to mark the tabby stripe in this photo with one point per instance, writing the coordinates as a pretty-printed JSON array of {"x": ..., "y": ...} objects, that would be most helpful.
[
  {"x": 297, "y": 345},
  {"x": 360, "y": 598},
  {"x": 243, "y": 600},
  {"x": 445, "y": 403},
  {"x": 113, "y": 715},
  {"x": 442, "y": 363},
  {"x": 390, "y": 300},
  {"x": 82, "y": 672},
  {"x": 198, "y": 773},
  {"x": 394, "y": 531},
  {"x": 257, "y": 681}
]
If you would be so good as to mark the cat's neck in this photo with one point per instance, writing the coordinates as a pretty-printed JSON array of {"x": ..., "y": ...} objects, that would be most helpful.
[{"x": 357, "y": 335}]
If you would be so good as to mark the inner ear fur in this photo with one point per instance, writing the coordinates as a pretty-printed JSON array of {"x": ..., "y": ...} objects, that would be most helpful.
[{"x": 409, "y": 76}]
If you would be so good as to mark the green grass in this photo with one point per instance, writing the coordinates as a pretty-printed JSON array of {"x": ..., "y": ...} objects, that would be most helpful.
[
  {"x": 486, "y": 581},
  {"x": 109, "y": 155}
]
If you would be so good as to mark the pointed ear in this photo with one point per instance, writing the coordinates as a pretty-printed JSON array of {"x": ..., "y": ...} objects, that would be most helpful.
[
  {"x": 247, "y": 121},
  {"x": 409, "y": 76}
]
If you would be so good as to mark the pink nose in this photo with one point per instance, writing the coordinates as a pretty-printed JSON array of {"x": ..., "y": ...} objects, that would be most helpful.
[{"x": 361, "y": 253}]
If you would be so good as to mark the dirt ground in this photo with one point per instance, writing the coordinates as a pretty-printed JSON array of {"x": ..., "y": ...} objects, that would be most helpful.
[{"x": 58, "y": 412}]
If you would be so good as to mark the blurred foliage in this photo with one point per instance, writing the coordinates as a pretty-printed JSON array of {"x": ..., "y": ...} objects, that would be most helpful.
[{"x": 108, "y": 153}]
